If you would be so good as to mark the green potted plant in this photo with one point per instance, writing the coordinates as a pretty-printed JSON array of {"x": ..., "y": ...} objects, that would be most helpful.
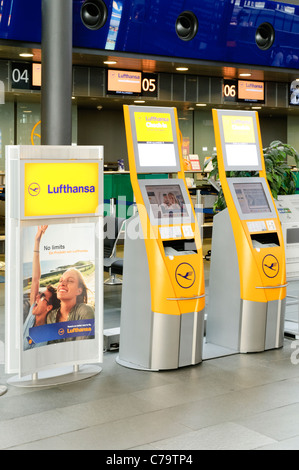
[{"x": 281, "y": 178}]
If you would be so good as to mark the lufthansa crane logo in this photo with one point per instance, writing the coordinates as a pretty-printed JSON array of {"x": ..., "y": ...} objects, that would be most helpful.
[
  {"x": 270, "y": 266},
  {"x": 34, "y": 189},
  {"x": 185, "y": 275}
]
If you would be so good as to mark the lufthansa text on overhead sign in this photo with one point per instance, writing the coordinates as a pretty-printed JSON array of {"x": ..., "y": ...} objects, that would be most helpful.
[{"x": 66, "y": 188}]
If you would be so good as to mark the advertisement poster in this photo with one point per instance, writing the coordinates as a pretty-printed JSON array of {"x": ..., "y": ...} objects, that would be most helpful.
[{"x": 58, "y": 284}]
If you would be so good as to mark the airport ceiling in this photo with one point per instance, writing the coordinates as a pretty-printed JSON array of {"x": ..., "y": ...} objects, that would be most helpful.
[{"x": 155, "y": 64}]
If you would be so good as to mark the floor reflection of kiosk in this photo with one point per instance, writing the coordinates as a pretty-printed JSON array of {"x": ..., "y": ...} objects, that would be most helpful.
[
  {"x": 162, "y": 312},
  {"x": 247, "y": 276}
]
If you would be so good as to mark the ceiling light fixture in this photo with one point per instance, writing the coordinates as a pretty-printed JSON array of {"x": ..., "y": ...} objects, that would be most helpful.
[
  {"x": 245, "y": 75},
  {"x": 110, "y": 62},
  {"x": 26, "y": 54},
  {"x": 181, "y": 69}
]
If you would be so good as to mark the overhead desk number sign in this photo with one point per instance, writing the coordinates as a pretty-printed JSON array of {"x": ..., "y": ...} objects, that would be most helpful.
[{"x": 60, "y": 189}]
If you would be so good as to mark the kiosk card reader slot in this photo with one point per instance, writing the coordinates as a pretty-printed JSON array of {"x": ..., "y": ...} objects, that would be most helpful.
[
  {"x": 163, "y": 298},
  {"x": 247, "y": 275}
]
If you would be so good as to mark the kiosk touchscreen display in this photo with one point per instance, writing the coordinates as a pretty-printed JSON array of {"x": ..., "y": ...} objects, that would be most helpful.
[
  {"x": 166, "y": 201},
  {"x": 252, "y": 198}
]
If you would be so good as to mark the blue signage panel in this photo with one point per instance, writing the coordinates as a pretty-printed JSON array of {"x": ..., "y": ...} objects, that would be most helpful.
[{"x": 242, "y": 32}]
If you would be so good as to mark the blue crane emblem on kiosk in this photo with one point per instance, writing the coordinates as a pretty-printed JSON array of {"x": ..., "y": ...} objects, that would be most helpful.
[
  {"x": 185, "y": 275},
  {"x": 270, "y": 266}
]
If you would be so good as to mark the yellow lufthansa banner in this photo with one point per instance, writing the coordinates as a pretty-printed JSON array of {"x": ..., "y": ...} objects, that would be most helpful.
[
  {"x": 153, "y": 127},
  {"x": 61, "y": 189},
  {"x": 238, "y": 129}
]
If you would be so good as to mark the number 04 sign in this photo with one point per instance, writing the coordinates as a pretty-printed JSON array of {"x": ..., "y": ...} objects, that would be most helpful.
[{"x": 23, "y": 76}]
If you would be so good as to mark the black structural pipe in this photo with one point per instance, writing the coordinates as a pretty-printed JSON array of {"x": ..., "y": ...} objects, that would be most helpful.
[{"x": 56, "y": 90}]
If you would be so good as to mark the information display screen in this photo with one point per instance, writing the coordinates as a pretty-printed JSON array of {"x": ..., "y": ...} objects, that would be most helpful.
[
  {"x": 251, "y": 91},
  {"x": 292, "y": 235},
  {"x": 239, "y": 140},
  {"x": 155, "y": 139},
  {"x": 252, "y": 198},
  {"x": 294, "y": 93},
  {"x": 166, "y": 201},
  {"x": 124, "y": 82}
]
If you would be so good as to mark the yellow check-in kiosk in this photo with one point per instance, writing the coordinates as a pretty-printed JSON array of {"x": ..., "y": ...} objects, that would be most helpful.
[
  {"x": 247, "y": 287},
  {"x": 163, "y": 298}
]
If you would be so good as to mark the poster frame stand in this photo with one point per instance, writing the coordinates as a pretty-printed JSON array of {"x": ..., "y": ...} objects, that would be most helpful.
[
  {"x": 59, "y": 376},
  {"x": 81, "y": 363}
]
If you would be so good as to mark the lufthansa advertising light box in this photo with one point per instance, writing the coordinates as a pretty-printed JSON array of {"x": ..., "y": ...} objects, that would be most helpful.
[{"x": 57, "y": 188}]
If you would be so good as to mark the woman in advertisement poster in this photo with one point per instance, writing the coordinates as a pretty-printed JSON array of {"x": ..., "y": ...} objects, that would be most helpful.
[
  {"x": 72, "y": 293},
  {"x": 40, "y": 303},
  {"x": 173, "y": 203}
]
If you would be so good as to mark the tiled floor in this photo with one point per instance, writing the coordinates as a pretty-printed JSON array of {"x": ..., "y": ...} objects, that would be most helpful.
[{"x": 241, "y": 401}]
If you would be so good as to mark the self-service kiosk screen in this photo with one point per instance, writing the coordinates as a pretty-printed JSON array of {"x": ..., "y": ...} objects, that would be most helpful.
[
  {"x": 252, "y": 198},
  {"x": 167, "y": 201}
]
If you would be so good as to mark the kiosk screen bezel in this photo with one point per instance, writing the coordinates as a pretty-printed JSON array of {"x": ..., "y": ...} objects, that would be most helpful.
[
  {"x": 167, "y": 168},
  {"x": 175, "y": 219},
  {"x": 252, "y": 215},
  {"x": 252, "y": 148}
]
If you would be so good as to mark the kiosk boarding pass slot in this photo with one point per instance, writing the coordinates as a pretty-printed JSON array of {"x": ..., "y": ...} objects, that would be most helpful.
[{"x": 53, "y": 226}]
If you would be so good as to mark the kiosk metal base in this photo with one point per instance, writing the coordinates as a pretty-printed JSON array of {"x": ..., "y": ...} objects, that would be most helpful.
[
  {"x": 130, "y": 365},
  {"x": 55, "y": 376}
]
